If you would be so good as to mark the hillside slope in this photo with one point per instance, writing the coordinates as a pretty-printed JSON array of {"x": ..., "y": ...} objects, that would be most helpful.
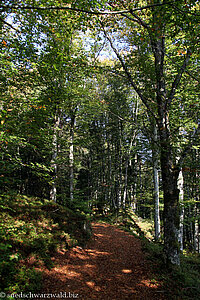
[{"x": 32, "y": 229}]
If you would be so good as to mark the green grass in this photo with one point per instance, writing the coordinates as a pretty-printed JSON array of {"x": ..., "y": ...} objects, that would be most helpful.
[{"x": 33, "y": 227}]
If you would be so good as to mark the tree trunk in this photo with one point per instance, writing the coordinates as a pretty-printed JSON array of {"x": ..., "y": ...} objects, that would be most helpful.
[
  {"x": 171, "y": 204},
  {"x": 168, "y": 162},
  {"x": 181, "y": 198},
  {"x": 196, "y": 225},
  {"x": 120, "y": 167},
  {"x": 160, "y": 109},
  {"x": 155, "y": 157},
  {"x": 134, "y": 186},
  {"x": 125, "y": 182},
  {"x": 53, "y": 189},
  {"x": 196, "y": 231},
  {"x": 71, "y": 159}
]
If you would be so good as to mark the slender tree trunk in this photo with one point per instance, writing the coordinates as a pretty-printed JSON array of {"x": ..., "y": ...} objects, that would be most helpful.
[
  {"x": 181, "y": 198},
  {"x": 110, "y": 181},
  {"x": 190, "y": 229},
  {"x": 89, "y": 184},
  {"x": 196, "y": 231},
  {"x": 120, "y": 166},
  {"x": 53, "y": 189},
  {"x": 125, "y": 182},
  {"x": 196, "y": 193},
  {"x": 71, "y": 159},
  {"x": 155, "y": 156},
  {"x": 134, "y": 186}
]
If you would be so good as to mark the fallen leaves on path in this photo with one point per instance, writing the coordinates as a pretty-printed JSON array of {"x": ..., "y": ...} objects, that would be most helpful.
[{"x": 111, "y": 267}]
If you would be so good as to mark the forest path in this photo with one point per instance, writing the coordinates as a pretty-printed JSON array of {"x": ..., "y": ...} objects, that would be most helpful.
[{"x": 111, "y": 267}]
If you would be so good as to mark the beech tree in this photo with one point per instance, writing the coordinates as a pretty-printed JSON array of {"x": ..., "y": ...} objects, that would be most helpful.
[{"x": 153, "y": 27}]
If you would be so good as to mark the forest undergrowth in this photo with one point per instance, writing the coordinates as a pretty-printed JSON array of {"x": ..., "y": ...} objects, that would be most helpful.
[{"x": 31, "y": 230}]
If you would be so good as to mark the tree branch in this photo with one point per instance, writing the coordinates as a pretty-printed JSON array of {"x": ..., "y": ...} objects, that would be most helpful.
[
  {"x": 8, "y": 24},
  {"x": 178, "y": 78},
  {"x": 187, "y": 72},
  {"x": 136, "y": 88},
  {"x": 139, "y": 20},
  {"x": 11, "y": 7},
  {"x": 17, "y": 7}
]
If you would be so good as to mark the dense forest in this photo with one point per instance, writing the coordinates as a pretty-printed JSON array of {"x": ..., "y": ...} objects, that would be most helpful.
[{"x": 99, "y": 114}]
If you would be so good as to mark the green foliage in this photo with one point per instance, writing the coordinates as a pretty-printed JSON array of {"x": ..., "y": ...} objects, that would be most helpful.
[
  {"x": 184, "y": 282},
  {"x": 13, "y": 276}
]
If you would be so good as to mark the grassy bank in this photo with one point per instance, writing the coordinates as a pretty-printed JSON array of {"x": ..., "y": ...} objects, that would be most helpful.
[{"x": 35, "y": 228}]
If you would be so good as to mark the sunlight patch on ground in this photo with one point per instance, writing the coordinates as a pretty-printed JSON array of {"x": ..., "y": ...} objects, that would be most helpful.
[
  {"x": 90, "y": 266},
  {"x": 149, "y": 284},
  {"x": 91, "y": 284},
  {"x": 73, "y": 274},
  {"x": 96, "y": 253},
  {"x": 99, "y": 235},
  {"x": 80, "y": 256},
  {"x": 126, "y": 271}
]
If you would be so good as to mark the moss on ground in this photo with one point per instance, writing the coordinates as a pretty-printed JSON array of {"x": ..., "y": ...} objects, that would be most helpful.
[{"x": 34, "y": 227}]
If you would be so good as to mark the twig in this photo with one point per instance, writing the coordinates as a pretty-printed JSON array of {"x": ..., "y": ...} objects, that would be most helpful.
[
  {"x": 116, "y": 12},
  {"x": 8, "y": 24}
]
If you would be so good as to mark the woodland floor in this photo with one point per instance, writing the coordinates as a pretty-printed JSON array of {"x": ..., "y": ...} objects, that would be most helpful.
[{"x": 111, "y": 267}]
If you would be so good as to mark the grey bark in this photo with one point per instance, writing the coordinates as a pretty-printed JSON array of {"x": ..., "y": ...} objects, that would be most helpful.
[
  {"x": 53, "y": 189},
  {"x": 155, "y": 156},
  {"x": 71, "y": 158},
  {"x": 181, "y": 198},
  {"x": 196, "y": 232}
]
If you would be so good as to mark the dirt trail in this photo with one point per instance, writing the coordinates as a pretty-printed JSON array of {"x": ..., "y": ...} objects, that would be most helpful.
[{"x": 111, "y": 267}]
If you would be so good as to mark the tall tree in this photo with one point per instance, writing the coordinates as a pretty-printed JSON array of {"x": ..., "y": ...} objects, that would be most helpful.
[{"x": 153, "y": 27}]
